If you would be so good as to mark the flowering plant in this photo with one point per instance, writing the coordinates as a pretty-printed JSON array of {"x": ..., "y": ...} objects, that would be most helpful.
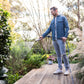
[{"x": 52, "y": 58}]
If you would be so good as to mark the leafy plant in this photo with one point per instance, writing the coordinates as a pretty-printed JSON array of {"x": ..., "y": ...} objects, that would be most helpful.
[
  {"x": 5, "y": 39},
  {"x": 34, "y": 61},
  {"x": 80, "y": 72},
  {"x": 17, "y": 54},
  {"x": 13, "y": 78}
]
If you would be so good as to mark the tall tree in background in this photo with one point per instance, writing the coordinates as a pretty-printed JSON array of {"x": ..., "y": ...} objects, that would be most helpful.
[
  {"x": 38, "y": 18},
  {"x": 75, "y": 8},
  {"x": 78, "y": 14}
]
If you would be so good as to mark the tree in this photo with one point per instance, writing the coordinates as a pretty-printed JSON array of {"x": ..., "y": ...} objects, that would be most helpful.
[
  {"x": 38, "y": 19},
  {"x": 5, "y": 37},
  {"x": 76, "y": 7}
]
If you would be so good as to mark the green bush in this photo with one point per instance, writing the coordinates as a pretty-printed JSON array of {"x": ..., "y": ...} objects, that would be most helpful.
[
  {"x": 5, "y": 41},
  {"x": 71, "y": 47},
  {"x": 13, "y": 78},
  {"x": 81, "y": 63},
  {"x": 80, "y": 73},
  {"x": 37, "y": 48},
  {"x": 22, "y": 61},
  {"x": 34, "y": 61},
  {"x": 17, "y": 54},
  {"x": 76, "y": 59}
]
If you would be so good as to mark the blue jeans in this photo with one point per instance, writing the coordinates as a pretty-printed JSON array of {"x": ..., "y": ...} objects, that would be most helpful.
[{"x": 60, "y": 50}]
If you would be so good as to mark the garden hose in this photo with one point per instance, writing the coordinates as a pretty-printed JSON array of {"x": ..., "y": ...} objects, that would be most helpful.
[{"x": 69, "y": 65}]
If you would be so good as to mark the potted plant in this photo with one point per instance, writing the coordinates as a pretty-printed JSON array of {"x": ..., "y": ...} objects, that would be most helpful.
[{"x": 50, "y": 59}]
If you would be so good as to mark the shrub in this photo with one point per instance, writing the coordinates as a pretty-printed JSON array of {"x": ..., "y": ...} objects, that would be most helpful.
[
  {"x": 17, "y": 54},
  {"x": 37, "y": 48},
  {"x": 34, "y": 61},
  {"x": 5, "y": 40},
  {"x": 13, "y": 78},
  {"x": 80, "y": 73}
]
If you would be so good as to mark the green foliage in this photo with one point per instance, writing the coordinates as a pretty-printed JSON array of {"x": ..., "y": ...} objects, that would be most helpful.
[
  {"x": 72, "y": 22},
  {"x": 52, "y": 51},
  {"x": 17, "y": 54},
  {"x": 13, "y": 78},
  {"x": 76, "y": 59},
  {"x": 22, "y": 60},
  {"x": 71, "y": 36},
  {"x": 80, "y": 75},
  {"x": 34, "y": 61},
  {"x": 81, "y": 63},
  {"x": 71, "y": 47},
  {"x": 5, "y": 40},
  {"x": 37, "y": 48},
  {"x": 15, "y": 63}
]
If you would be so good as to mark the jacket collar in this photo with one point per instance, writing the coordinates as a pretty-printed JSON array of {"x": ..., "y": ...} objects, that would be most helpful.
[
  {"x": 54, "y": 18},
  {"x": 57, "y": 16}
]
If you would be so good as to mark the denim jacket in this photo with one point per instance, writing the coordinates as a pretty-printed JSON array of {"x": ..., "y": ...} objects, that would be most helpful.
[{"x": 61, "y": 26}]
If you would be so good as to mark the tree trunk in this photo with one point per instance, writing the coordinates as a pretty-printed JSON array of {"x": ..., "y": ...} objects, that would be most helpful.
[
  {"x": 78, "y": 13},
  {"x": 82, "y": 24}
]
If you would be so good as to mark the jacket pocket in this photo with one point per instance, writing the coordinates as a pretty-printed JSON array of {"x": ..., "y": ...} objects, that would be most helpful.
[{"x": 60, "y": 21}]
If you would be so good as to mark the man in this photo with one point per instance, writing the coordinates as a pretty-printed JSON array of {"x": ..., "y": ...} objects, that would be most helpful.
[{"x": 59, "y": 28}]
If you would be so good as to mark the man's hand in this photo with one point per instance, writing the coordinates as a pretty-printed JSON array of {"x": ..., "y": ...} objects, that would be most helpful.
[
  {"x": 41, "y": 37},
  {"x": 64, "y": 39}
]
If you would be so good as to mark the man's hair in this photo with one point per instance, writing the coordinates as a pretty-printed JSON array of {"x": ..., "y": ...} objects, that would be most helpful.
[{"x": 53, "y": 8}]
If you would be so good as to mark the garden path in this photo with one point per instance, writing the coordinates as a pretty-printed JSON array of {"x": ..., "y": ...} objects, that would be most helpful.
[{"x": 44, "y": 75}]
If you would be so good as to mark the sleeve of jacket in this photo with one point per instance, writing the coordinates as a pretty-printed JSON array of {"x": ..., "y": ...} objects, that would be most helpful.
[
  {"x": 47, "y": 32},
  {"x": 66, "y": 27}
]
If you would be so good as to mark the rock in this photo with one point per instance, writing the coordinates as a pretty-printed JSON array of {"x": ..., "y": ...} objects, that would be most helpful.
[
  {"x": 82, "y": 69},
  {"x": 2, "y": 82}
]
